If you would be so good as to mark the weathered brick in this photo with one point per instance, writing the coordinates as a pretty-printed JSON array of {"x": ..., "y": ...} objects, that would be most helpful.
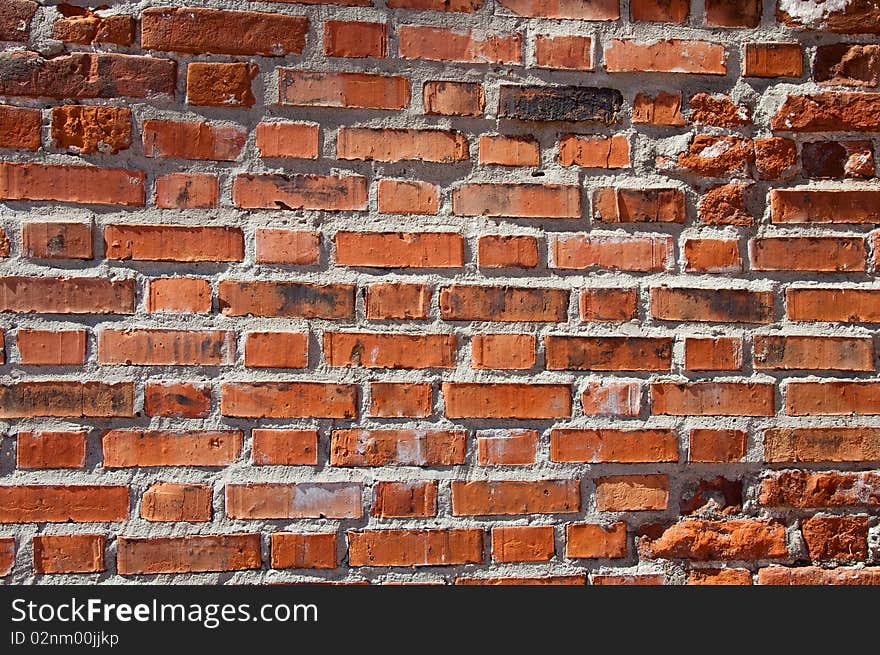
[
  {"x": 819, "y": 444},
  {"x": 89, "y": 185},
  {"x": 318, "y": 192},
  {"x": 717, "y": 445},
  {"x": 288, "y": 400},
  {"x": 804, "y": 489},
  {"x": 773, "y": 60},
  {"x": 400, "y": 250},
  {"x": 517, "y": 401},
  {"x": 397, "y": 301},
  {"x": 284, "y": 447},
  {"x": 87, "y": 130},
  {"x": 669, "y": 56},
  {"x": 154, "y": 347},
  {"x": 711, "y": 305},
  {"x": 832, "y": 398},
  {"x": 358, "y": 447},
  {"x": 505, "y": 304},
  {"x": 510, "y": 497},
  {"x": 615, "y": 205},
  {"x": 613, "y": 445},
  {"x": 736, "y": 539},
  {"x": 15, "y": 21},
  {"x": 517, "y": 200},
  {"x": 836, "y": 537},
  {"x": 177, "y": 399},
  {"x": 332, "y": 89},
  {"x": 829, "y": 112},
  {"x": 175, "y": 243},
  {"x": 168, "y": 501},
  {"x": 528, "y": 543},
  {"x": 595, "y": 541},
  {"x": 712, "y": 398},
  {"x": 848, "y": 305},
  {"x": 408, "y": 197},
  {"x": 355, "y": 39},
  {"x": 303, "y": 551},
  {"x": 507, "y": 447},
  {"x": 192, "y": 140},
  {"x": 50, "y": 450},
  {"x": 564, "y": 52},
  {"x": 447, "y": 98},
  {"x": 141, "y": 448},
  {"x": 825, "y": 206},
  {"x": 638, "y": 252},
  {"x": 278, "y": 500},
  {"x": 560, "y": 103},
  {"x": 792, "y": 352},
  {"x": 440, "y": 44},
  {"x": 815, "y": 576},
  {"x": 20, "y": 128},
  {"x": 179, "y": 294},
  {"x": 400, "y": 399},
  {"x": 286, "y": 299},
  {"x": 632, "y": 493},
  {"x": 387, "y": 350},
  {"x": 69, "y": 553},
  {"x": 52, "y": 348},
  {"x": 188, "y": 554},
  {"x": 405, "y": 499},
  {"x": 437, "y": 547},
  {"x": 276, "y": 350},
  {"x": 505, "y": 150},
  {"x": 608, "y": 353},
  {"x": 503, "y": 251},
  {"x": 210, "y": 84},
  {"x": 187, "y": 191},
  {"x": 573, "y": 9},
  {"x": 503, "y": 351},
  {"x": 713, "y": 353},
  {"x": 64, "y": 398}
]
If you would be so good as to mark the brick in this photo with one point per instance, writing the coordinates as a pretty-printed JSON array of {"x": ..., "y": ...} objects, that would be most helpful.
[
  {"x": 511, "y": 497},
  {"x": 554, "y": 580},
  {"x": 287, "y": 140},
  {"x": 15, "y": 22},
  {"x": 824, "y": 206},
  {"x": 517, "y": 200},
  {"x": 446, "y": 98},
  {"x": 733, "y": 13},
  {"x": 408, "y": 197},
  {"x": 82, "y": 75},
  {"x": 400, "y": 250},
  {"x": 614, "y": 205},
  {"x": 167, "y": 501},
  {"x": 350, "y": 90},
  {"x": 45, "y": 295},
  {"x": 609, "y": 305},
  {"x": 717, "y": 445},
  {"x": 50, "y": 450},
  {"x": 88, "y": 130},
  {"x": 836, "y": 537},
  {"x": 573, "y": 9},
  {"x": 400, "y": 400},
  {"x": 466, "y": 6},
  {"x": 564, "y": 52},
  {"x": 669, "y": 56},
  {"x": 718, "y": 110},
  {"x": 20, "y": 128},
  {"x": 649, "y": 579},
  {"x": 848, "y": 305},
  {"x": 849, "y": 18},
  {"x": 277, "y": 246},
  {"x": 528, "y": 543},
  {"x": 712, "y": 256},
  {"x": 775, "y": 158},
  {"x": 285, "y": 447},
  {"x": 632, "y": 493},
  {"x": 332, "y": 500},
  {"x": 829, "y": 112},
  {"x": 773, "y": 60},
  {"x": 288, "y": 400},
  {"x": 639, "y": 253},
  {"x": 503, "y": 351},
  {"x": 613, "y": 445},
  {"x": 848, "y": 444},
  {"x": 303, "y": 551},
  {"x": 87, "y": 185},
  {"x": 594, "y": 541},
  {"x": 737, "y": 539},
  {"x": 714, "y": 156},
  {"x": 149, "y": 347},
  {"x": 177, "y": 399},
  {"x": 516, "y": 401},
  {"x": 505, "y": 150},
  {"x": 793, "y": 352},
  {"x": 276, "y": 350},
  {"x": 69, "y": 553},
  {"x": 199, "y": 31},
  {"x": 712, "y": 398},
  {"x": 63, "y": 503},
  {"x": 405, "y": 499},
  {"x": 804, "y": 489},
  {"x": 847, "y": 64},
  {"x": 726, "y": 205},
  {"x": 187, "y": 191},
  {"x": 440, "y": 44},
  {"x": 507, "y": 251},
  {"x": 719, "y": 577},
  {"x": 286, "y": 299},
  {"x": 359, "y": 447},
  {"x": 395, "y": 351},
  {"x": 662, "y": 109},
  {"x": 572, "y": 353},
  {"x": 210, "y": 84},
  {"x": 832, "y": 398},
  {"x": 437, "y": 547},
  {"x": 594, "y": 152},
  {"x": 815, "y": 576},
  {"x": 7, "y": 555},
  {"x": 711, "y": 305},
  {"x": 838, "y": 159},
  {"x": 53, "y": 240},
  {"x": 67, "y": 399},
  {"x": 192, "y": 140},
  {"x": 188, "y": 554},
  {"x": 507, "y": 447},
  {"x": 84, "y": 27},
  {"x": 141, "y": 448},
  {"x": 318, "y": 192},
  {"x": 662, "y": 11},
  {"x": 504, "y": 304},
  {"x": 179, "y": 294},
  {"x": 612, "y": 398},
  {"x": 560, "y": 103},
  {"x": 355, "y": 39},
  {"x": 181, "y": 243},
  {"x": 713, "y": 353},
  {"x": 397, "y": 301},
  {"x": 389, "y": 145},
  {"x": 52, "y": 348}
]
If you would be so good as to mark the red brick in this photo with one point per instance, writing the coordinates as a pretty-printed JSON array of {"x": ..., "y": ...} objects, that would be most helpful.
[
  {"x": 303, "y": 551},
  {"x": 662, "y": 109},
  {"x": 528, "y": 543},
  {"x": 611, "y": 205},
  {"x": 824, "y": 206},
  {"x": 713, "y": 353},
  {"x": 573, "y": 353},
  {"x": 851, "y": 18},
  {"x": 507, "y": 447},
  {"x": 442, "y": 98},
  {"x": 401, "y": 400},
  {"x": 335, "y": 89},
  {"x": 662, "y": 11},
  {"x": 670, "y": 56},
  {"x": 177, "y": 399},
  {"x": 804, "y": 489},
  {"x": 318, "y": 192},
  {"x": 69, "y": 553},
  {"x": 359, "y": 447},
  {"x": 613, "y": 445},
  {"x": 67, "y": 399},
  {"x": 150, "y": 347},
  {"x": 63, "y": 503},
  {"x": 594, "y": 152},
  {"x": 182, "y": 243},
  {"x": 503, "y": 351},
  {"x": 775, "y": 158},
  {"x": 639, "y": 253},
  {"x": 192, "y": 140},
  {"x": 87, "y": 185},
  {"x": 15, "y": 22},
  {"x": 179, "y": 294},
  {"x": 167, "y": 501},
  {"x": 504, "y": 304},
  {"x": 286, "y": 299},
  {"x": 210, "y": 84},
  {"x": 612, "y": 398},
  {"x": 832, "y": 398},
  {"x": 52, "y": 348},
  {"x": 510, "y": 497},
  {"x": 391, "y": 145},
  {"x": 332, "y": 500},
  {"x": 718, "y": 110},
  {"x": 815, "y": 576},
  {"x": 287, "y": 140},
  {"x": 773, "y": 60},
  {"x": 439, "y": 44},
  {"x": 354, "y": 39},
  {"x": 574, "y": 9},
  {"x": 517, "y": 200},
  {"x": 632, "y": 493},
  {"x": 505, "y": 150},
  {"x": 565, "y": 580},
  {"x": 187, "y": 191},
  {"x": 648, "y": 579},
  {"x": 500, "y": 251},
  {"x": 53, "y": 240},
  {"x": 711, "y": 305},
  {"x": 837, "y": 304},
  {"x": 829, "y": 112},
  {"x": 738, "y": 539},
  {"x": 285, "y": 447},
  {"x": 276, "y": 350},
  {"x": 712, "y": 398},
  {"x": 733, "y": 13},
  {"x": 808, "y": 254},
  {"x": 715, "y": 445},
  {"x": 847, "y": 444},
  {"x": 277, "y": 246},
  {"x": 466, "y": 6},
  {"x": 609, "y": 305},
  {"x": 791, "y": 352},
  {"x": 20, "y": 128},
  {"x": 7, "y": 555},
  {"x": 142, "y": 448},
  {"x": 564, "y": 52},
  {"x": 188, "y": 554},
  {"x": 726, "y": 205},
  {"x": 836, "y": 537},
  {"x": 718, "y": 577},
  {"x": 84, "y": 27},
  {"x": 50, "y": 450},
  {"x": 593, "y": 541},
  {"x": 438, "y": 547},
  {"x": 416, "y": 499},
  {"x": 288, "y": 400},
  {"x": 408, "y": 197},
  {"x": 87, "y": 130},
  {"x": 517, "y": 401},
  {"x": 400, "y": 250},
  {"x": 397, "y": 301},
  {"x": 371, "y": 350}
]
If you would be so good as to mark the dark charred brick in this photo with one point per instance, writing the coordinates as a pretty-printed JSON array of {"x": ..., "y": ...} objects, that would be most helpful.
[
  {"x": 838, "y": 159},
  {"x": 847, "y": 64},
  {"x": 288, "y": 299},
  {"x": 714, "y": 495},
  {"x": 561, "y": 103}
]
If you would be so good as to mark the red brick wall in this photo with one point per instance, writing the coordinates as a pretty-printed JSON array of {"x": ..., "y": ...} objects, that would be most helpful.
[{"x": 461, "y": 291}]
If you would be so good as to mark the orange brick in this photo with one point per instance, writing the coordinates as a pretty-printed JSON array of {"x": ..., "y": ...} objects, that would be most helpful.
[
  {"x": 355, "y": 39},
  {"x": 591, "y": 541},
  {"x": 712, "y": 256},
  {"x": 166, "y": 501},
  {"x": 439, "y": 44},
  {"x": 50, "y": 348},
  {"x": 177, "y": 399},
  {"x": 507, "y": 447},
  {"x": 405, "y": 499},
  {"x": 276, "y": 350},
  {"x": 511, "y": 497},
  {"x": 187, "y": 191},
  {"x": 669, "y": 56},
  {"x": 509, "y": 150},
  {"x": 613, "y": 305},
  {"x": 612, "y": 398},
  {"x": 400, "y": 400},
  {"x": 713, "y": 353},
  {"x": 564, "y": 52},
  {"x": 499, "y": 251},
  {"x": 397, "y": 301},
  {"x": 287, "y": 140},
  {"x": 613, "y": 445},
  {"x": 711, "y": 445},
  {"x": 531, "y": 543},
  {"x": 69, "y": 553},
  {"x": 408, "y": 197},
  {"x": 632, "y": 493},
  {"x": 442, "y": 98},
  {"x": 179, "y": 294},
  {"x": 285, "y": 447},
  {"x": 303, "y": 551},
  {"x": 51, "y": 450},
  {"x": 594, "y": 152},
  {"x": 503, "y": 351}
]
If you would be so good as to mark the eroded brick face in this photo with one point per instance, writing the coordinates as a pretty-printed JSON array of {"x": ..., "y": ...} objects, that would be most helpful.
[{"x": 440, "y": 291}]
